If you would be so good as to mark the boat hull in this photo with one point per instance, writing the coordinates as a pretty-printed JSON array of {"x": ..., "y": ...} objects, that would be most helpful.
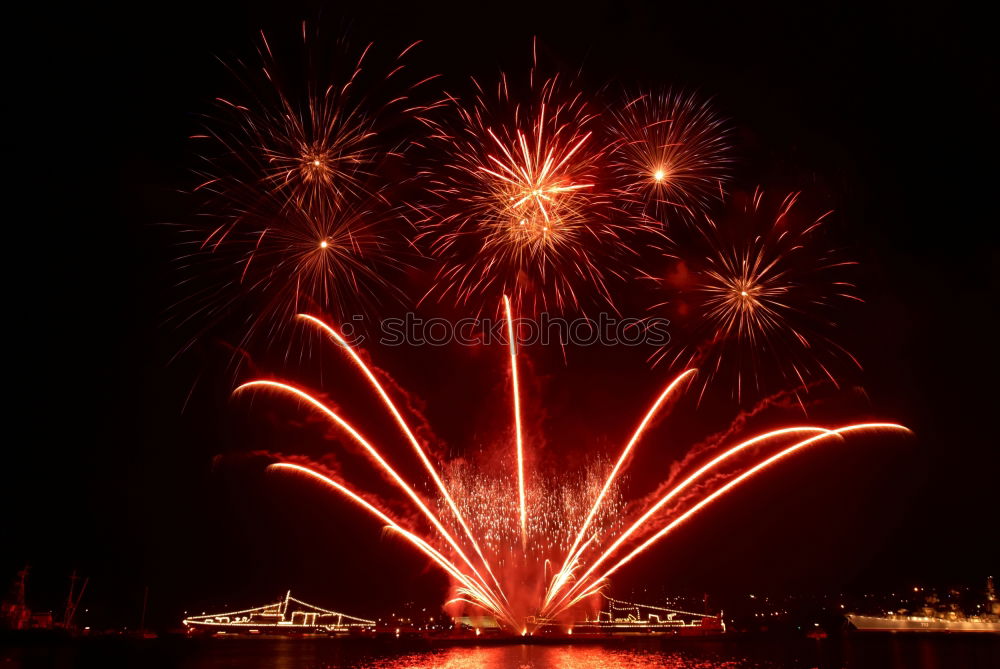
[{"x": 921, "y": 624}]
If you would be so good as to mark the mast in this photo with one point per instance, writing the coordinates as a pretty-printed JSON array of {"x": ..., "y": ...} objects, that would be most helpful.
[
  {"x": 73, "y": 602},
  {"x": 15, "y": 609},
  {"x": 68, "y": 613},
  {"x": 22, "y": 580}
]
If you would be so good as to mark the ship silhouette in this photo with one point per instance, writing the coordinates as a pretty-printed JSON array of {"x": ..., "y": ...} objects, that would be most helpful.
[{"x": 287, "y": 616}]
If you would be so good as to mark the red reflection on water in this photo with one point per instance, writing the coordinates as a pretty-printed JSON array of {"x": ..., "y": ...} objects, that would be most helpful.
[{"x": 564, "y": 657}]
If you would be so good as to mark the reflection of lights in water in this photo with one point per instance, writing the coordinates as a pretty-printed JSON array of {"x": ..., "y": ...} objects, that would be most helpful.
[{"x": 565, "y": 657}]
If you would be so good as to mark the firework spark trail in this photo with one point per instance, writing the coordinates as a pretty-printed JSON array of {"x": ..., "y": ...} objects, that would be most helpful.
[
  {"x": 555, "y": 508},
  {"x": 837, "y": 432},
  {"x": 563, "y": 591},
  {"x": 676, "y": 490},
  {"x": 372, "y": 452},
  {"x": 783, "y": 399},
  {"x": 540, "y": 200},
  {"x": 401, "y": 422},
  {"x": 571, "y": 555},
  {"x": 471, "y": 586},
  {"x": 517, "y": 423}
]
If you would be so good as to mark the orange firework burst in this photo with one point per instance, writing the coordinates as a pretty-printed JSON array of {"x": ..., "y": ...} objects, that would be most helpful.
[
  {"x": 519, "y": 207},
  {"x": 303, "y": 140},
  {"x": 763, "y": 293},
  {"x": 672, "y": 153},
  {"x": 538, "y": 549},
  {"x": 293, "y": 258},
  {"x": 320, "y": 151},
  {"x": 294, "y": 197}
]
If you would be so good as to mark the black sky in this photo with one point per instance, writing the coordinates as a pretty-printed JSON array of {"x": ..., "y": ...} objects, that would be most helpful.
[{"x": 886, "y": 112}]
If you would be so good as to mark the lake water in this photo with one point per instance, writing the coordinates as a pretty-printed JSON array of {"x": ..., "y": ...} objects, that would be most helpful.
[{"x": 853, "y": 651}]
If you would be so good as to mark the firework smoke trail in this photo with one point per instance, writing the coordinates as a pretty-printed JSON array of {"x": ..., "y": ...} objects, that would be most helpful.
[
  {"x": 510, "y": 604},
  {"x": 783, "y": 399},
  {"x": 764, "y": 288},
  {"x": 672, "y": 154},
  {"x": 519, "y": 205}
]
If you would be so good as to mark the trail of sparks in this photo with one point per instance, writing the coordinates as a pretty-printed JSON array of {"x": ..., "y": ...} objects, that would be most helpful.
[
  {"x": 421, "y": 544},
  {"x": 522, "y": 610},
  {"x": 571, "y": 555},
  {"x": 676, "y": 490},
  {"x": 373, "y": 453},
  {"x": 517, "y": 421},
  {"x": 826, "y": 434},
  {"x": 529, "y": 203},
  {"x": 401, "y": 422}
]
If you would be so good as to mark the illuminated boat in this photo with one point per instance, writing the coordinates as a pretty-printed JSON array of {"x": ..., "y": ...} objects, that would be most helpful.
[
  {"x": 288, "y": 616},
  {"x": 900, "y": 623},
  {"x": 935, "y": 621},
  {"x": 629, "y": 618}
]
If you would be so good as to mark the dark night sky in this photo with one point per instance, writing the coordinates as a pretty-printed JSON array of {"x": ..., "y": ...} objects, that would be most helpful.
[{"x": 885, "y": 112}]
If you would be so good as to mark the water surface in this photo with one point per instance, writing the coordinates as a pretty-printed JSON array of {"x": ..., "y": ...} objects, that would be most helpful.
[{"x": 851, "y": 651}]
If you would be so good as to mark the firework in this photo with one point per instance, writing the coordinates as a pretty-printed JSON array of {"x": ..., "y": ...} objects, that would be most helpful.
[
  {"x": 764, "y": 290},
  {"x": 502, "y": 554},
  {"x": 672, "y": 154},
  {"x": 296, "y": 210},
  {"x": 302, "y": 139},
  {"x": 326, "y": 259},
  {"x": 519, "y": 205},
  {"x": 512, "y": 343}
]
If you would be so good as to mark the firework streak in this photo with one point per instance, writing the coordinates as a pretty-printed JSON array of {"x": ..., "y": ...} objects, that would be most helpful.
[{"x": 500, "y": 541}]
